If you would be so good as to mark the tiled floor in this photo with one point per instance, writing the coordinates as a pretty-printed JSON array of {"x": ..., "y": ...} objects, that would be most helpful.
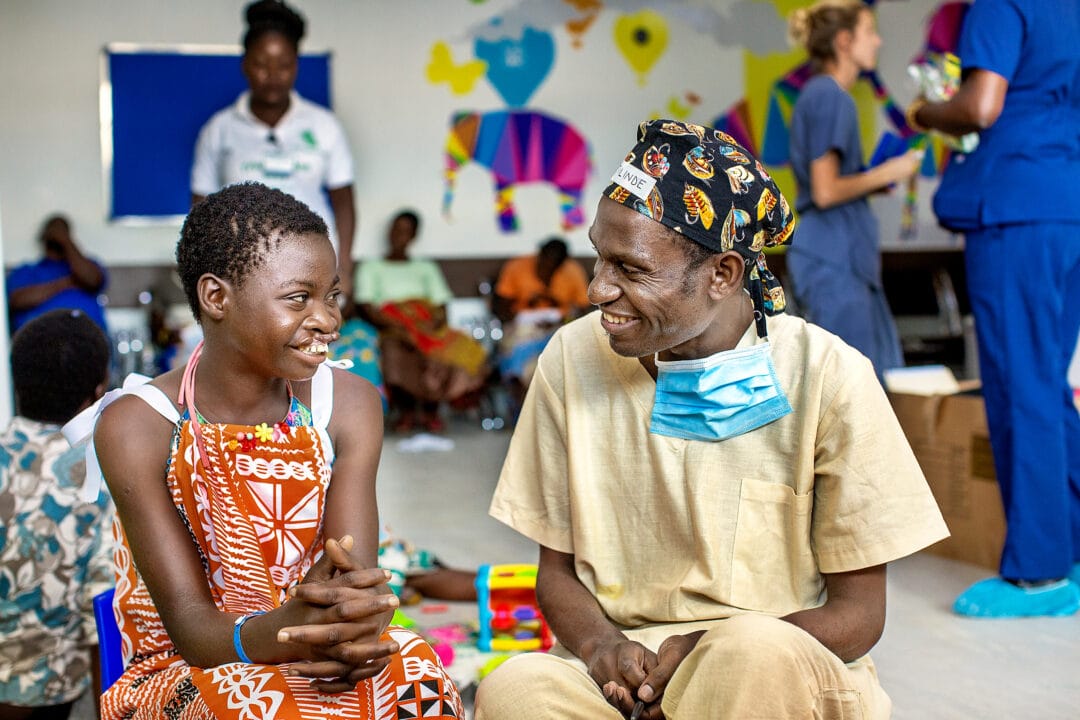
[{"x": 933, "y": 663}]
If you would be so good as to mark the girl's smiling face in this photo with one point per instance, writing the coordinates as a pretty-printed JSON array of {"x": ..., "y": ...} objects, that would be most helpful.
[{"x": 286, "y": 311}]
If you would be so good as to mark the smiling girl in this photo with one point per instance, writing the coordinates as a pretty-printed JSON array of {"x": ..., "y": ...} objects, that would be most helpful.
[{"x": 244, "y": 483}]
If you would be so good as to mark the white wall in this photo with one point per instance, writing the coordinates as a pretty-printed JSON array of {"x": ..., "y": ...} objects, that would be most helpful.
[{"x": 50, "y": 156}]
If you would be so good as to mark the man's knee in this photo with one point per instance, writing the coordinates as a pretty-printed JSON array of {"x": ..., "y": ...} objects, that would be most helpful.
[
  {"x": 509, "y": 691},
  {"x": 757, "y": 641},
  {"x": 760, "y": 666}
]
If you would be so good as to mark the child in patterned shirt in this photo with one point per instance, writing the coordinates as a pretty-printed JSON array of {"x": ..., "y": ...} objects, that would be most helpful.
[{"x": 55, "y": 547}]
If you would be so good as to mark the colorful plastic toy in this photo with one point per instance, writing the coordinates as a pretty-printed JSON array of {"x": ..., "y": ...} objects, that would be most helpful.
[{"x": 510, "y": 618}]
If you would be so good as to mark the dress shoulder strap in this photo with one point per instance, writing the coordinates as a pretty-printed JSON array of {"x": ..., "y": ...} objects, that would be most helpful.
[
  {"x": 157, "y": 399},
  {"x": 322, "y": 396},
  {"x": 79, "y": 431}
]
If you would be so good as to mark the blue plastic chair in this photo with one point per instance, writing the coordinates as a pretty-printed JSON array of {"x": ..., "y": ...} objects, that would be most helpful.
[{"x": 109, "y": 647}]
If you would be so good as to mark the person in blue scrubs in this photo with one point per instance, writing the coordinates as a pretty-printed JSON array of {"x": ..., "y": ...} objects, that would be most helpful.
[
  {"x": 1017, "y": 199},
  {"x": 835, "y": 268}
]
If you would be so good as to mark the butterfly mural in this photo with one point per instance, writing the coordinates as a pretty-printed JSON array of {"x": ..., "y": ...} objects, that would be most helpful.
[{"x": 460, "y": 77}]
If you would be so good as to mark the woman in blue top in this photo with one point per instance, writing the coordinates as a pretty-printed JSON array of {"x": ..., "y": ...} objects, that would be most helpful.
[
  {"x": 835, "y": 267},
  {"x": 1017, "y": 200}
]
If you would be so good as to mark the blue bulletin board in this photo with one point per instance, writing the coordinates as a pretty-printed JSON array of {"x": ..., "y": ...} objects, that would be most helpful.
[{"x": 154, "y": 102}]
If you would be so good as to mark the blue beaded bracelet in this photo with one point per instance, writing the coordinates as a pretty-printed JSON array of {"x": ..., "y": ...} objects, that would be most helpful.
[{"x": 236, "y": 636}]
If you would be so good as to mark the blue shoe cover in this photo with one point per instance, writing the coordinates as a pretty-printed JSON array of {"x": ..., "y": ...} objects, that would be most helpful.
[
  {"x": 996, "y": 598},
  {"x": 1074, "y": 574}
]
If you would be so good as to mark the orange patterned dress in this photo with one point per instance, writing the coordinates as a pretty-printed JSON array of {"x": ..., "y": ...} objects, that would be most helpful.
[{"x": 254, "y": 509}]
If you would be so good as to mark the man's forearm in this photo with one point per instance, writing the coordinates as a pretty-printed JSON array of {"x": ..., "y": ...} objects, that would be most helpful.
[
  {"x": 852, "y": 619},
  {"x": 31, "y": 296},
  {"x": 84, "y": 272},
  {"x": 572, "y": 612}
]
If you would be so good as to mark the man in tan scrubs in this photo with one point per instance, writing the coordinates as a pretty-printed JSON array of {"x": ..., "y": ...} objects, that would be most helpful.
[{"x": 715, "y": 487}]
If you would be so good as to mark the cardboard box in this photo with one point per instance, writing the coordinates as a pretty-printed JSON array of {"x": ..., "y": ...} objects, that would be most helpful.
[{"x": 949, "y": 436}]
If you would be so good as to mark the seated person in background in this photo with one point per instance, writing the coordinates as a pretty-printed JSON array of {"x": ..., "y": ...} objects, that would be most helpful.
[
  {"x": 249, "y": 584},
  {"x": 55, "y": 547},
  {"x": 715, "y": 492},
  {"x": 63, "y": 279},
  {"x": 533, "y": 296},
  {"x": 416, "y": 573},
  {"x": 423, "y": 360}
]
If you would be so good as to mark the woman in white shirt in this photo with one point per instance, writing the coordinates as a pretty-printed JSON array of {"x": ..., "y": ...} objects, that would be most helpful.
[{"x": 274, "y": 136}]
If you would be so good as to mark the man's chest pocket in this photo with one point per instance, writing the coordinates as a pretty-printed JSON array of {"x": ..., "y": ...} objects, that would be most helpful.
[{"x": 772, "y": 565}]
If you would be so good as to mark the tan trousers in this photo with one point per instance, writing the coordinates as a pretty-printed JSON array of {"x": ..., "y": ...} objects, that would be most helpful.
[{"x": 744, "y": 667}]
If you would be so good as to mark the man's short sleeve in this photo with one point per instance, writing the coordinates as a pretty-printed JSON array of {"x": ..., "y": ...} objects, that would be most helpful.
[
  {"x": 871, "y": 501},
  {"x": 992, "y": 37}
]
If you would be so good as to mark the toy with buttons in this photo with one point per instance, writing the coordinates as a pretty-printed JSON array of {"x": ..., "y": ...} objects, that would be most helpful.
[{"x": 510, "y": 617}]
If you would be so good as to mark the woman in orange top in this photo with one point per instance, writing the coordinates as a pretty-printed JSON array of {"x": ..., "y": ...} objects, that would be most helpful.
[
  {"x": 533, "y": 296},
  {"x": 544, "y": 280},
  {"x": 244, "y": 483}
]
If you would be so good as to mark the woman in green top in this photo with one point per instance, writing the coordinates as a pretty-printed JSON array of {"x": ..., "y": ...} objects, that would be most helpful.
[{"x": 423, "y": 360}]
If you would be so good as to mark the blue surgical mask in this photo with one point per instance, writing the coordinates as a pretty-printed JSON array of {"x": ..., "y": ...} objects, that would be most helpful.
[{"x": 718, "y": 397}]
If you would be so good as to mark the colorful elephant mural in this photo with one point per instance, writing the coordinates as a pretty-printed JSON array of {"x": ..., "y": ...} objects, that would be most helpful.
[{"x": 520, "y": 147}]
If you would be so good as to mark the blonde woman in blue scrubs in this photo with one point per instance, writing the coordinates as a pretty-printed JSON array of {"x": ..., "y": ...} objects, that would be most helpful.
[{"x": 835, "y": 267}]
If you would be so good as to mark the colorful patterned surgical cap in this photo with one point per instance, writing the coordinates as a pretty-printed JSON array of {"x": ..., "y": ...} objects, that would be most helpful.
[{"x": 702, "y": 184}]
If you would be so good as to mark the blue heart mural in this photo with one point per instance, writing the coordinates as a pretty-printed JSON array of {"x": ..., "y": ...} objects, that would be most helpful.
[{"x": 516, "y": 67}]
